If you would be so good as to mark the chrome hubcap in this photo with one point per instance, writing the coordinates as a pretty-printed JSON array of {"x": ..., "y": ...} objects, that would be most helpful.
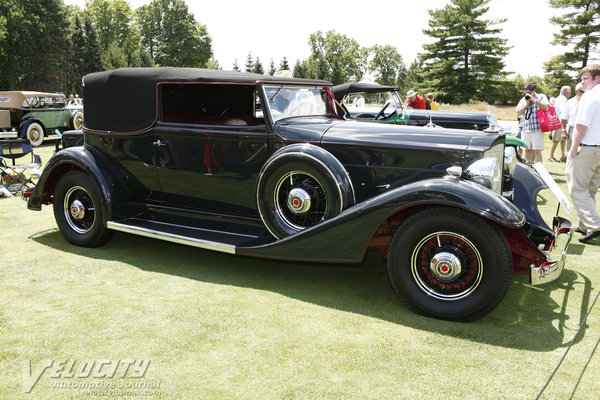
[
  {"x": 298, "y": 201},
  {"x": 77, "y": 210},
  {"x": 445, "y": 266}
]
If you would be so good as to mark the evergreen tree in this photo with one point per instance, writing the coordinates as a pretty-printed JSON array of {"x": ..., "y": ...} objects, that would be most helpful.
[
  {"x": 579, "y": 27},
  {"x": 301, "y": 69},
  {"x": 92, "y": 58},
  {"x": 283, "y": 65},
  {"x": 236, "y": 68},
  {"x": 466, "y": 59},
  {"x": 272, "y": 69},
  {"x": 258, "y": 67},
  {"x": 249, "y": 63}
]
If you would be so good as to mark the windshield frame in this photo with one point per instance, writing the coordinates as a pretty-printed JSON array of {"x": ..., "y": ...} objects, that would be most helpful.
[{"x": 276, "y": 115}]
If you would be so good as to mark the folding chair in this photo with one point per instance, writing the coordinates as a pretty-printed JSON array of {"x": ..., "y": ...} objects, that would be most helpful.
[{"x": 14, "y": 176}]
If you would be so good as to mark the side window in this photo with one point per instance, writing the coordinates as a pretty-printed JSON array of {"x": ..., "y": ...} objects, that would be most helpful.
[{"x": 209, "y": 104}]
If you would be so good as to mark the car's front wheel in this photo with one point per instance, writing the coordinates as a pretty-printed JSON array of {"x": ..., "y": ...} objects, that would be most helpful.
[
  {"x": 35, "y": 134},
  {"x": 78, "y": 210},
  {"x": 449, "y": 264}
]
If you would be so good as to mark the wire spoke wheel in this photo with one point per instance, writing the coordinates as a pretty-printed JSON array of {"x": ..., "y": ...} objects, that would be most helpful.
[
  {"x": 79, "y": 209},
  {"x": 301, "y": 200},
  {"x": 447, "y": 266}
]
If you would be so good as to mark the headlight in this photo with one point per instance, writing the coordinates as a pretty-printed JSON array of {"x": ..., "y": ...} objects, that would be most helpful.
[
  {"x": 487, "y": 171},
  {"x": 510, "y": 160}
]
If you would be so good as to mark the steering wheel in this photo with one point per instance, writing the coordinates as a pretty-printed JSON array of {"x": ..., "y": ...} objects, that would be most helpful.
[{"x": 381, "y": 113}]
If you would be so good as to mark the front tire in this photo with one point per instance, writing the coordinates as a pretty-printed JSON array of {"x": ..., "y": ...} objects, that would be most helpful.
[
  {"x": 35, "y": 134},
  {"x": 78, "y": 210},
  {"x": 449, "y": 264}
]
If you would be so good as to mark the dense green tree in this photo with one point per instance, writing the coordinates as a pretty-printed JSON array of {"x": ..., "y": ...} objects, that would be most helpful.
[
  {"x": 92, "y": 52},
  {"x": 466, "y": 59},
  {"x": 172, "y": 35},
  {"x": 75, "y": 67},
  {"x": 284, "y": 65},
  {"x": 258, "y": 68},
  {"x": 33, "y": 44},
  {"x": 272, "y": 68},
  {"x": 112, "y": 21},
  {"x": 301, "y": 69},
  {"x": 336, "y": 58},
  {"x": 236, "y": 67},
  {"x": 385, "y": 64},
  {"x": 249, "y": 63},
  {"x": 579, "y": 32}
]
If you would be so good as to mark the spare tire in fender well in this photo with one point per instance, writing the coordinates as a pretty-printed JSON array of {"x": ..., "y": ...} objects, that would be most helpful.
[{"x": 299, "y": 186}]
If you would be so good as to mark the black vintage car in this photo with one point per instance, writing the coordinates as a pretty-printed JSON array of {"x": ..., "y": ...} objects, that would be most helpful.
[{"x": 262, "y": 166}]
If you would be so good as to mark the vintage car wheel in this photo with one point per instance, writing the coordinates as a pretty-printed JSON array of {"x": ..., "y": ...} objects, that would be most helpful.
[
  {"x": 449, "y": 264},
  {"x": 78, "y": 210},
  {"x": 35, "y": 134},
  {"x": 77, "y": 120},
  {"x": 297, "y": 190}
]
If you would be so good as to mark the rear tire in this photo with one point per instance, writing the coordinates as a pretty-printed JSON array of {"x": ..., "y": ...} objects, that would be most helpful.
[
  {"x": 449, "y": 264},
  {"x": 79, "y": 211}
]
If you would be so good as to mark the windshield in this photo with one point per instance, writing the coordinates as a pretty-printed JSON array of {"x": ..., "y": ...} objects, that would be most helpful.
[
  {"x": 374, "y": 100},
  {"x": 293, "y": 101}
]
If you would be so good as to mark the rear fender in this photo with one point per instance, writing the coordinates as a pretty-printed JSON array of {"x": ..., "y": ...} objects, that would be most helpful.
[{"x": 77, "y": 158}]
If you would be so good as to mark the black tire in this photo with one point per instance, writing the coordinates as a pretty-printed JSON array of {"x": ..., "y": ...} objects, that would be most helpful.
[
  {"x": 450, "y": 264},
  {"x": 297, "y": 190},
  {"x": 79, "y": 211}
]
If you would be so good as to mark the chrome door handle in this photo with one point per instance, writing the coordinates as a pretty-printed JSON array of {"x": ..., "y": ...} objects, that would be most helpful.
[{"x": 158, "y": 143}]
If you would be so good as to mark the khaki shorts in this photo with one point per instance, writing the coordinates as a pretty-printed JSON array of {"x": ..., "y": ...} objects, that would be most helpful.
[
  {"x": 556, "y": 136},
  {"x": 533, "y": 140}
]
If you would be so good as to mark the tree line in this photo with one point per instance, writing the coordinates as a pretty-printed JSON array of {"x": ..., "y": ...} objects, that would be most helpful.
[{"x": 48, "y": 46}]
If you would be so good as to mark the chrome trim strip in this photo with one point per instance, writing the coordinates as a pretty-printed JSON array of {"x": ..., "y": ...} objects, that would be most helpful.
[
  {"x": 203, "y": 229},
  {"x": 203, "y": 244}
]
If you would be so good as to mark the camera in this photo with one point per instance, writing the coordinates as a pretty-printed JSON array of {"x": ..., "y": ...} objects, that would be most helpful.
[{"x": 528, "y": 96}]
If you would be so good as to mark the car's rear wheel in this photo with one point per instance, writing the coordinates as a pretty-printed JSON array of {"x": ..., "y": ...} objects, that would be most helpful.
[
  {"x": 35, "y": 134},
  {"x": 449, "y": 264},
  {"x": 77, "y": 120},
  {"x": 298, "y": 190},
  {"x": 78, "y": 210}
]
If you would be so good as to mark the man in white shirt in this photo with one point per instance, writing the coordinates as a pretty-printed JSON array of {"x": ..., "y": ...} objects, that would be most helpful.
[
  {"x": 556, "y": 136},
  {"x": 568, "y": 115},
  {"x": 583, "y": 163}
]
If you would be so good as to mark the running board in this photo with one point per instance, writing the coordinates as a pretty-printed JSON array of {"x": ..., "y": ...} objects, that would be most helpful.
[{"x": 195, "y": 237}]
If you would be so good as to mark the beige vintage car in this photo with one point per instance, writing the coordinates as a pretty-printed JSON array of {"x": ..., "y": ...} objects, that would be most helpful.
[{"x": 34, "y": 115}]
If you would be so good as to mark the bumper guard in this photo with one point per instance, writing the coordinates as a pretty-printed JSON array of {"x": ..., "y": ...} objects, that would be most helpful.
[{"x": 550, "y": 270}]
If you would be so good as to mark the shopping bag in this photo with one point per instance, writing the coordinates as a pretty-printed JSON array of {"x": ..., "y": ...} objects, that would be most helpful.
[{"x": 549, "y": 121}]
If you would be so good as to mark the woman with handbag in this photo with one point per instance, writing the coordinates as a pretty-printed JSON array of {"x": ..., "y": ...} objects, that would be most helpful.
[{"x": 532, "y": 134}]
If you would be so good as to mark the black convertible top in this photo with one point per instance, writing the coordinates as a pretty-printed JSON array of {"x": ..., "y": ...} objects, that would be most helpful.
[
  {"x": 125, "y": 99},
  {"x": 360, "y": 87}
]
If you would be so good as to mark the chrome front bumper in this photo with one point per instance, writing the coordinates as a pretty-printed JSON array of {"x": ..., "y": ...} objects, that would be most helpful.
[{"x": 550, "y": 270}]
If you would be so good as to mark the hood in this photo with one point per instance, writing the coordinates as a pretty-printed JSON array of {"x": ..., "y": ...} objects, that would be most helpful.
[{"x": 369, "y": 134}]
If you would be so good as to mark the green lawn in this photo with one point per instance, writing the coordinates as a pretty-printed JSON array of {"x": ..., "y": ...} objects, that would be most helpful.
[{"x": 215, "y": 326}]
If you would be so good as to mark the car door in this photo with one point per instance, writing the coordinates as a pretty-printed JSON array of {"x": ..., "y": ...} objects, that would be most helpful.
[{"x": 209, "y": 154}]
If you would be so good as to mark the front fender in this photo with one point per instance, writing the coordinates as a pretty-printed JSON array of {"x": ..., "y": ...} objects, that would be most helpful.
[
  {"x": 350, "y": 232},
  {"x": 80, "y": 158}
]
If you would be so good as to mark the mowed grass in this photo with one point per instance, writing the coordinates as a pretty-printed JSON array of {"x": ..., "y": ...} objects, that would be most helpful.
[{"x": 216, "y": 326}]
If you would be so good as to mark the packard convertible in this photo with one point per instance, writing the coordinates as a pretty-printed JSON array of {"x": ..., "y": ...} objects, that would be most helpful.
[{"x": 262, "y": 166}]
